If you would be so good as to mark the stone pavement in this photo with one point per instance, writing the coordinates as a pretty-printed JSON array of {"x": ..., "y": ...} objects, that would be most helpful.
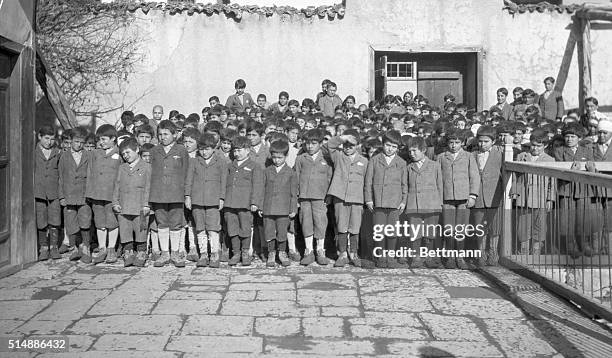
[{"x": 111, "y": 311}]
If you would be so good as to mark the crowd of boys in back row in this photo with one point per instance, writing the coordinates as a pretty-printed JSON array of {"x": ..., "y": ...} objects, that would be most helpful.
[{"x": 248, "y": 177}]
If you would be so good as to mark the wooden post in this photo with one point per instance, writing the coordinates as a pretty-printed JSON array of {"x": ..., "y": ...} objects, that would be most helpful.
[
  {"x": 584, "y": 61},
  {"x": 506, "y": 238},
  {"x": 567, "y": 56}
]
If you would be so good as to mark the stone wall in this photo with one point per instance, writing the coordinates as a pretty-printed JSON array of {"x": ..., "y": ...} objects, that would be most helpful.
[{"x": 192, "y": 57}]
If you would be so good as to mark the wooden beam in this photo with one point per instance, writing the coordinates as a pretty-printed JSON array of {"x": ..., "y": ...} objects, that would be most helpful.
[
  {"x": 506, "y": 239},
  {"x": 584, "y": 62},
  {"x": 566, "y": 62},
  {"x": 596, "y": 14},
  {"x": 54, "y": 94},
  {"x": 602, "y": 180}
]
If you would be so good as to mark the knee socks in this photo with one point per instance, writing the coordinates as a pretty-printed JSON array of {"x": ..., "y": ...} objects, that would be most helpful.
[
  {"x": 164, "y": 239},
  {"x": 112, "y": 238},
  {"x": 101, "y": 234},
  {"x": 291, "y": 241},
  {"x": 213, "y": 237},
  {"x": 203, "y": 243}
]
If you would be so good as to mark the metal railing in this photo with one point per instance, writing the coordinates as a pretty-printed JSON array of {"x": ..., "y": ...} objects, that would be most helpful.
[{"x": 557, "y": 229}]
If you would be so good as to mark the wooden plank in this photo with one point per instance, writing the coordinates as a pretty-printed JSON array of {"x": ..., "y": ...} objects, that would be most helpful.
[
  {"x": 596, "y": 14},
  {"x": 562, "y": 261},
  {"x": 372, "y": 75},
  {"x": 600, "y": 166},
  {"x": 584, "y": 62},
  {"x": 588, "y": 304},
  {"x": 566, "y": 62},
  {"x": 602, "y": 180},
  {"x": 14, "y": 245},
  {"x": 28, "y": 105},
  {"x": 506, "y": 240},
  {"x": 447, "y": 75},
  {"x": 54, "y": 94}
]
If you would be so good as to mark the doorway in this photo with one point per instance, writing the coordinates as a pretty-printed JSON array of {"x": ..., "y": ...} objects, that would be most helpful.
[{"x": 432, "y": 74}]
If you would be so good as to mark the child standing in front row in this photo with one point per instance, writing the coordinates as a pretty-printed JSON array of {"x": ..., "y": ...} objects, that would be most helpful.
[
  {"x": 204, "y": 194},
  {"x": 386, "y": 190},
  {"x": 190, "y": 141},
  {"x": 169, "y": 165},
  {"x": 461, "y": 185},
  {"x": 131, "y": 203},
  {"x": 347, "y": 189},
  {"x": 103, "y": 169},
  {"x": 243, "y": 195},
  {"x": 279, "y": 204},
  {"x": 314, "y": 175}
]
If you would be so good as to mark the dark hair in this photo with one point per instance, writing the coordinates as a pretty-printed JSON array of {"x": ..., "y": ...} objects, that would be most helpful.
[
  {"x": 239, "y": 83},
  {"x": 353, "y": 132},
  {"x": 279, "y": 146},
  {"x": 106, "y": 130},
  {"x": 241, "y": 142},
  {"x": 393, "y": 137},
  {"x": 227, "y": 134},
  {"x": 168, "y": 125},
  {"x": 146, "y": 148},
  {"x": 173, "y": 113},
  {"x": 331, "y": 84},
  {"x": 255, "y": 126},
  {"x": 207, "y": 140},
  {"x": 213, "y": 126},
  {"x": 91, "y": 138},
  {"x": 517, "y": 89},
  {"x": 454, "y": 133},
  {"x": 487, "y": 131},
  {"x": 283, "y": 94},
  {"x": 551, "y": 79},
  {"x": 503, "y": 90},
  {"x": 141, "y": 118},
  {"x": 261, "y": 95},
  {"x": 213, "y": 98},
  {"x": 417, "y": 142},
  {"x": 145, "y": 128},
  {"x": 293, "y": 102},
  {"x": 591, "y": 99},
  {"x": 127, "y": 118},
  {"x": 128, "y": 143},
  {"x": 78, "y": 132},
  {"x": 573, "y": 128},
  {"x": 46, "y": 130},
  {"x": 539, "y": 135},
  {"x": 374, "y": 143},
  {"x": 314, "y": 134},
  {"x": 191, "y": 133}
]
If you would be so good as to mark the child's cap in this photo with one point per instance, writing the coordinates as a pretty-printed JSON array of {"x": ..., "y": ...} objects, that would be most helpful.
[
  {"x": 573, "y": 128},
  {"x": 487, "y": 131}
]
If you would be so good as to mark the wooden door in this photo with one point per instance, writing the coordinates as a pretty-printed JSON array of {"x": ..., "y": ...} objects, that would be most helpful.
[
  {"x": 435, "y": 85},
  {"x": 5, "y": 190}
]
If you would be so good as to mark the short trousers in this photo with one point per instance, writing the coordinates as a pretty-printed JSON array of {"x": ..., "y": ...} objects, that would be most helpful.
[
  {"x": 169, "y": 215},
  {"x": 275, "y": 227},
  {"x": 77, "y": 217},
  {"x": 455, "y": 212},
  {"x": 207, "y": 218},
  {"x": 130, "y": 230},
  {"x": 313, "y": 217},
  {"x": 239, "y": 222},
  {"x": 348, "y": 216},
  {"x": 48, "y": 212},
  {"x": 104, "y": 216}
]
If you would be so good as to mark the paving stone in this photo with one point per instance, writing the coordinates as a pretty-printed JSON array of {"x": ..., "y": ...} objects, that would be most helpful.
[
  {"x": 517, "y": 339},
  {"x": 112, "y": 354},
  {"x": 380, "y": 331},
  {"x": 318, "y": 347},
  {"x": 195, "y": 288},
  {"x": 387, "y": 319},
  {"x": 22, "y": 310},
  {"x": 212, "y": 325},
  {"x": 8, "y": 325},
  {"x": 327, "y": 281},
  {"x": 137, "y": 342},
  {"x": 458, "y": 278},
  {"x": 208, "y": 282},
  {"x": 320, "y": 327},
  {"x": 115, "y": 304},
  {"x": 104, "y": 280},
  {"x": 276, "y": 295},
  {"x": 452, "y": 328},
  {"x": 43, "y": 327},
  {"x": 385, "y": 303},
  {"x": 73, "y": 305},
  {"x": 79, "y": 343},
  {"x": 196, "y": 295},
  {"x": 405, "y": 286},
  {"x": 129, "y": 324},
  {"x": 10, "y": 294},
  {"x": 271, "y": 308},
  {"x": 240, "y": 295},
  {"x": 277, "y": 327},
  {"x": 213, "y": 344},
  {"x": 260, "y": 278},
  {"x": 260, "y": 286},
  {"x": 444, "y": 349},
  {"x": 340, "y": 312},
  {"x": 328, "y": 298},
  {"x": 478, "y": 307},
  {"x": 187, "y": 307}
]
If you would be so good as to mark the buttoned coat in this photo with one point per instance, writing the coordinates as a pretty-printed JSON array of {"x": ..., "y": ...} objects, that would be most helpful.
[
  {"x": 168, "y": 173},
  {"x": 132, "y": 187},
  {"x": 280, "y": 191},
  {"x": 552, "y": 107},
  {"x": 506, "y": 110},
  {"x": 46, "y": 174},
  {"x": 244, "y": 185},
  {"x": 234, "y": 104},
  {"x": 533, "y": 191},
  {"x": 206, "y": 183},
  {"x": 102, "y": 167},
  {"x": 262, "y": 157},
  {"x": 349, "y": 175},
  {"x": 424, "y": 187},
  {"x": 574, "y": 190},
  {"x": 386, "y": 184},
  {"x": 491, "y": 183},
  {"x": 73, "y": 177},
  {"x": 461, "y": 177},
  {"x": 314, "y": 176}
]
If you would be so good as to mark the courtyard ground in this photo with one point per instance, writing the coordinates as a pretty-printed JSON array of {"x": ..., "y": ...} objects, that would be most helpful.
[{"x": 111, "y": 311}]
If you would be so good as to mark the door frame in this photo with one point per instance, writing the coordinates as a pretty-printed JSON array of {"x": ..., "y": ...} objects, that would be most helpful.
[{"x": 480, "y": 62}]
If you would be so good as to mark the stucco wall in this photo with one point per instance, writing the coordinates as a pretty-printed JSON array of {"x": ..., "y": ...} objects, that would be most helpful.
[{"x": 190, "y": 58}]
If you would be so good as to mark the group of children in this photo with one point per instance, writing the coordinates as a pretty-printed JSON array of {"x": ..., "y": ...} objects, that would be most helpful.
[{"x": 242, "y": 181}]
